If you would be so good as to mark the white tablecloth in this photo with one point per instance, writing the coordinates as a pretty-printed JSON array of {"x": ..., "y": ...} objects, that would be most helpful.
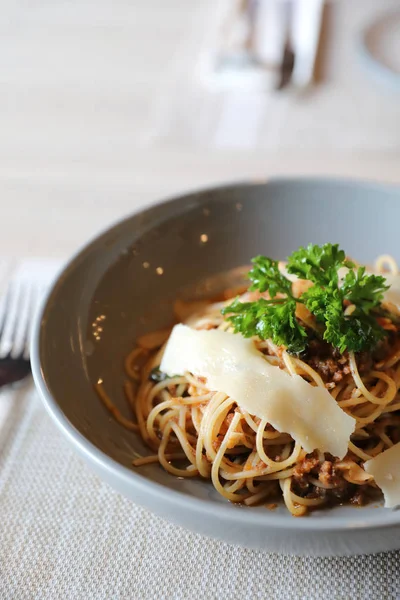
[{"x": 65, "y": 534}]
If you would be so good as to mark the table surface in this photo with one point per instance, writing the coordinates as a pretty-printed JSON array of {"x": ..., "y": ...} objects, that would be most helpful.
[{"x": 101, "y": 112}]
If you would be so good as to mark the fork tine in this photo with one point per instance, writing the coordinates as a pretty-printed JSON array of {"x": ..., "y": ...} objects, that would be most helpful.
[
  {"x": 10, "y": 322},
  {"x": 37, "y": 293},
  {"x": 4, "y": 301},
  {"x": 20, "y": 303},
  {"x": 23, "y": 322}
]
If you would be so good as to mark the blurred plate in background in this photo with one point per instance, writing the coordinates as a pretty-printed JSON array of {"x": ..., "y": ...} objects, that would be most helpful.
[{"x": 380, "y": 45}]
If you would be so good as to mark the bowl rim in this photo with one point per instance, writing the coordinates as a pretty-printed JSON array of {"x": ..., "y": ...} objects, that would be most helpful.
[{"x": 227, "y": 512}]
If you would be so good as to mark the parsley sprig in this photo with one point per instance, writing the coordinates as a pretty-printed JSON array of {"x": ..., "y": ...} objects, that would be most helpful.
[{"x": 327, "y": 299}]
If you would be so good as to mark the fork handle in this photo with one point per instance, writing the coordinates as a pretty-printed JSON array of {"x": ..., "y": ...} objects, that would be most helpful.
[{"x": 12, "y": 371}]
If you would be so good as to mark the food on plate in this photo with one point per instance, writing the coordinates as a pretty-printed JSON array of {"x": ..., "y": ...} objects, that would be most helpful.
[{"x": 289, "y": 388}]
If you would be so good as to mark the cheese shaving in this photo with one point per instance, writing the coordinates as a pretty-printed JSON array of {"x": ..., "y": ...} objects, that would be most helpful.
[
  {"x": 233, "y": 365},
  {"x": 385, "y": 469}
]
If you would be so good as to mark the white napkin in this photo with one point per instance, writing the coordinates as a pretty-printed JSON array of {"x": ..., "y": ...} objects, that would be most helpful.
[{"x": 245, "y": 43}]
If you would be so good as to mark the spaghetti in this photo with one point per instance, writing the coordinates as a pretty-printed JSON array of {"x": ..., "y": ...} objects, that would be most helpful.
[{"x": 197, "y": 432}]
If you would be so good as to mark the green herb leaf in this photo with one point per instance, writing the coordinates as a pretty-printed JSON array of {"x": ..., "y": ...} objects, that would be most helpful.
[
  {"x": 317, "y": 299},
  {"x": 157, "y": 376},
  {"x": 319, "y": 264},
  {"x": 266, "y": 277},
  {"x": 268, "y": 320},
  {"x": 327, "y": 299},
  {"x": 364, "y": 290},
  {"x": 357, "y": 332}
]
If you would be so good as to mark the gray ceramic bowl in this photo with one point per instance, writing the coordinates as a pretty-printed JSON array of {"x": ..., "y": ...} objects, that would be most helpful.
[{"x": 109, "y": 276}]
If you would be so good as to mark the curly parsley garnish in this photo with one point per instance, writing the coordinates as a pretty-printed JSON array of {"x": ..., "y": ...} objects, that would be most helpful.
[{"x": 355, "y": 329}]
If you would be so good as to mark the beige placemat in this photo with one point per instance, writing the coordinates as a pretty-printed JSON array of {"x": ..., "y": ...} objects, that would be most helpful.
[{"x": 66, "y": 534}]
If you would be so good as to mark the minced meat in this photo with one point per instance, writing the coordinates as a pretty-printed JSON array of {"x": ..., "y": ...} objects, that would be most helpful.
[{"x": 330, "y": 363}]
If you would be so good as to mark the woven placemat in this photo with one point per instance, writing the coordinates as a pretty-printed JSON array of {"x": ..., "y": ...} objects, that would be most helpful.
[{"x": 66, "y": 534}]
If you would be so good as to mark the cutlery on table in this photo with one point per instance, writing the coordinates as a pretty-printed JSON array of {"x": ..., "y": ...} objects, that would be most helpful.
[{"x": 18, "y": 306}]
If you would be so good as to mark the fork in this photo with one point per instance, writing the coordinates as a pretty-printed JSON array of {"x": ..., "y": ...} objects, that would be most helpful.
[
  {"x": 288, "y": 56},
  {"x": 18, "y": 307}
]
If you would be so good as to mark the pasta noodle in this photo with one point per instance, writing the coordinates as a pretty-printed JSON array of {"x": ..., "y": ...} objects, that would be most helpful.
[{"x": 197, "y": 432}]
